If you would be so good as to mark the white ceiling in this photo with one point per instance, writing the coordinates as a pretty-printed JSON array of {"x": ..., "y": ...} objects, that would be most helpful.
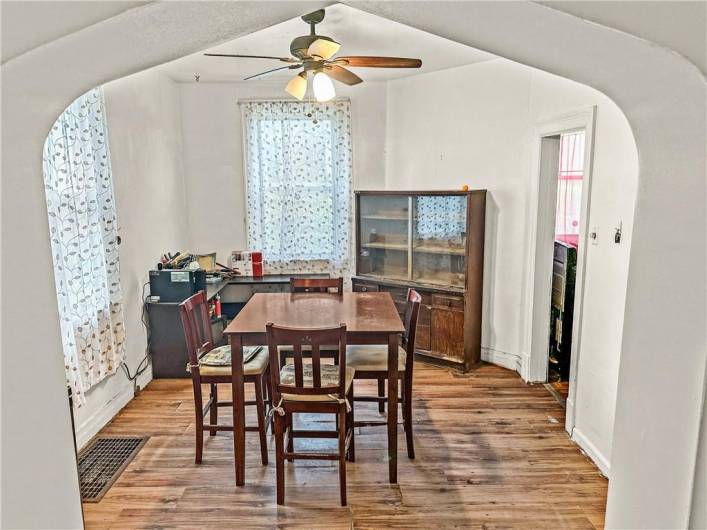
[{"x": 358, "y": 32}]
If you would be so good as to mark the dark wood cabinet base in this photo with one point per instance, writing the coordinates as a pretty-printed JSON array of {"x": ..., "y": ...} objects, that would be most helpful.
[{"x": 441, "y": 323}]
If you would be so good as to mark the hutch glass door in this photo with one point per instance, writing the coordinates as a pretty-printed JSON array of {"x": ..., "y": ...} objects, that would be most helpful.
[
  {"x": 439, "y": 239},
  {"x": 385, "y": 236}
]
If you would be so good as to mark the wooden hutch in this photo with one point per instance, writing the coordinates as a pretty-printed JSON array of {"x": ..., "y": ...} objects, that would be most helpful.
[{"x": 432, "y": 241}]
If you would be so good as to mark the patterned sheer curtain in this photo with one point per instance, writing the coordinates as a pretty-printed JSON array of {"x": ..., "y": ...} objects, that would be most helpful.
[
  {"x": 440, "y": 217},
  {"x": 569, "y": 188},
  {"x": 299, "y": 179},
  {"x": 82, "y": 226}
]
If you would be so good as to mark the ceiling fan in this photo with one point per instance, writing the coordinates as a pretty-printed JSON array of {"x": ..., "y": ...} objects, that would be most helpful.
[{"x": 315, "y": 55}]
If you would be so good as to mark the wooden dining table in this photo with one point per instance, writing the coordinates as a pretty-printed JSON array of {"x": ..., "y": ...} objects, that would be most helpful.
[{"x": 370, "y": 318}]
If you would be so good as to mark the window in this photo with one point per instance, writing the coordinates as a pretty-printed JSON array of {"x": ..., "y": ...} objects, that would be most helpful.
[
  {"x": 298, "y": 173},
  {"x": 569, "y": 187},
  {"x": 82, "y": 227}
]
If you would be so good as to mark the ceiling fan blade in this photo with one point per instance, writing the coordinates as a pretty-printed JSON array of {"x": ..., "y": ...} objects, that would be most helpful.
[
  {"x": 342, "y": 75},
  {"x": 323, "y": 48},
  {"x": 378, "y": 62},
  {"x": 283, "y": 59},
  {"x": 290, "y": 67}
]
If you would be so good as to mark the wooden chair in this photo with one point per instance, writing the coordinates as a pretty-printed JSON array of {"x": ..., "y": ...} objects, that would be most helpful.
[
  {"x": 316, "y": 285},
  {"x": 310, "y": 388},
  {"x": 212, "y": 365},
  {"x": 371, "y": 362}
]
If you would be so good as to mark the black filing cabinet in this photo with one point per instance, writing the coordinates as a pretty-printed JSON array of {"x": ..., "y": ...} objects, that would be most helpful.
[
  {"x": 167, "y": 343},
  {"x": 564, "y": 271}
]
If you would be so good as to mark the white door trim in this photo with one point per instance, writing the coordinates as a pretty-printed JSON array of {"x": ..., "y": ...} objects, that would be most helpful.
[{"x": 544, "y": 202}]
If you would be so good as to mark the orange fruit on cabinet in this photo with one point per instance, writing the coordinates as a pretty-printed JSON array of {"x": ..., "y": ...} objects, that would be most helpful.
[{"x": 465, "y": 187}]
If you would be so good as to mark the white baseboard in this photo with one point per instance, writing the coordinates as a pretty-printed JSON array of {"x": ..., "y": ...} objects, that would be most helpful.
[
  {"x": 89, "y": 428},
  {"x": 569, "y": 415},
  {"x": 101, "y": 417},
  {"x": 591, "y": 450},
  {"x": 517, "y": 362}
]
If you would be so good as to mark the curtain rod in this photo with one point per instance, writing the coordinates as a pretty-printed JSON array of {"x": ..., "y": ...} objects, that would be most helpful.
[{"x": 288, "y": 100}]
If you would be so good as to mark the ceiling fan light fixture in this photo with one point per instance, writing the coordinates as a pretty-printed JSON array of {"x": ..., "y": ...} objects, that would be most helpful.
[
  {"x": 324, "y": 48},
  {"x": 297, "y": 87},
  {"x": 323, "y": 87}
]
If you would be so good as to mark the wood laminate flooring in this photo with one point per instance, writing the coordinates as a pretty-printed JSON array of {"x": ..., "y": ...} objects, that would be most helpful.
[{"x": 491, "y": 453}]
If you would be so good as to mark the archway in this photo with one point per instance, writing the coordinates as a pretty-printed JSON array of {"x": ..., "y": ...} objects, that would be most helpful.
[{"x": 661, "y": 94}]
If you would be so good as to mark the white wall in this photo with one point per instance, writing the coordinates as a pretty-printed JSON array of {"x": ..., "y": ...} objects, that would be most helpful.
[
  {"x": 213, "y": 155},
  {"x": 679, "y": 26},
  {"x": 144, "y": 131},
  {"x": 698, "y": 515},
  {"x": 474, "y": 125}
]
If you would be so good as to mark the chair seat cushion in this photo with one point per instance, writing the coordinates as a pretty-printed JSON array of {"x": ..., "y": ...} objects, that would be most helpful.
[
  {"x": 372, "y": 358},
  {"x": 218, "y": 361},
  {"x": 330, "y": 377}
]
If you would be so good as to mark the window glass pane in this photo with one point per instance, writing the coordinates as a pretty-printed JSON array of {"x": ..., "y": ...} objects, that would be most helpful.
[{"x": 569, "y": 187}]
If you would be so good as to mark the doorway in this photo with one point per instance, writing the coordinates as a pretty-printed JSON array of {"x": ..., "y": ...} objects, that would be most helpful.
[
  {"x": 564, "y": 165},
  {"x": 568, "y": 209}
]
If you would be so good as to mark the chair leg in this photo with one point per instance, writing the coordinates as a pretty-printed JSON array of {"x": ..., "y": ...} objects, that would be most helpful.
[
  {"x": 260, "y": 409},
  {"x": 350, "y": 426},
  {"x": 290, "y": 440},
  {"x": 280, "y": 458},
  {"x": 268, "y": 390},
  {"x": 342, "y": 454},
  {"x": 381, "y": 393},
  {"x": 407, "y": 415},
  {"x": 213, "y": 409},
  {"x": 199, "y": 428}
]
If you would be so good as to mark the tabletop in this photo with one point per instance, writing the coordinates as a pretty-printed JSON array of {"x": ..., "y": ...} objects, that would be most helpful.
[{"x": 361, "y": 312}]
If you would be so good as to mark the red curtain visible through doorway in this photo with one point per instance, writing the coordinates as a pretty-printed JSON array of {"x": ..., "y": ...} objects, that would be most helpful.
[{"x": 569, "y": 188}]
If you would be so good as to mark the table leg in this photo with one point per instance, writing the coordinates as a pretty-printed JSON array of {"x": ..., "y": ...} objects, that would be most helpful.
[
  {"x": 238, "y": 407},
  {"x": 393, "y": 408}
]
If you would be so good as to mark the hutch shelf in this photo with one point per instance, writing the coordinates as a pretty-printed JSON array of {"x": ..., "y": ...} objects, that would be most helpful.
[{"x": 432, "y": 241}]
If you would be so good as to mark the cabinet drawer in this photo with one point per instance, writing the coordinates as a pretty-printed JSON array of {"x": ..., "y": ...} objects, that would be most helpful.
[
  {"x": 364, "y": 287},
  {"x": 448, "y": 301},
  {"x": 398, "y": 294}
]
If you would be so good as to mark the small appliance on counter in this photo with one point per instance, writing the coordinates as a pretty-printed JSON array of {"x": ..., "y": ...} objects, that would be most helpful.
[
  {"x": 176, "y": 285},
  {"x": 247, "y": 262}
]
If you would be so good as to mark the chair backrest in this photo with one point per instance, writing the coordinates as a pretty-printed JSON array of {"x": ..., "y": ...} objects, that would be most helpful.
[
  {"x": 412, "y": 310},
  {"x": 197, "y": 327},
  {"x": 316, "y": 285},
  {"x": 315, "y": 338}
]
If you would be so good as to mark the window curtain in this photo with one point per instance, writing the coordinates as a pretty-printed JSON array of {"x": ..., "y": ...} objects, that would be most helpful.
[
  {"x": 298, "y": 166},
  {"x": 82, "y": 226},
  {"x": 569, "y": 188},
  {"x": 440, "y": 217}
]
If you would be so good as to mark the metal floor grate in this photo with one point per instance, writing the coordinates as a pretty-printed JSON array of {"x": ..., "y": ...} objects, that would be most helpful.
[{"x": 102, "y": 462}]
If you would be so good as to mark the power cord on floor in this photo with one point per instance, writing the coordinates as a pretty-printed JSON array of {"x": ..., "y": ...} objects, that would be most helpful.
[{"x": 146, "y": 360}]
